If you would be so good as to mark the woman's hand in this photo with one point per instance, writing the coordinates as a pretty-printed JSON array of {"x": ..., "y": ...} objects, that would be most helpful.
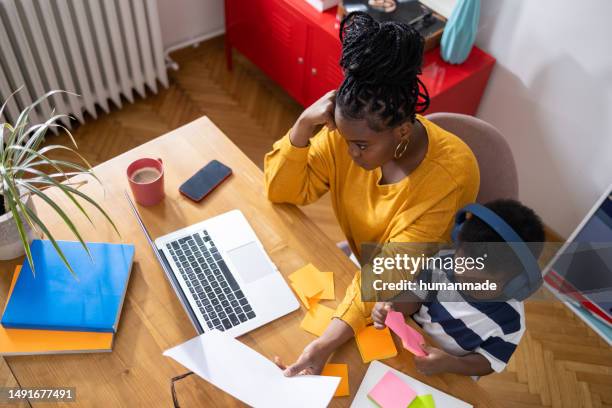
[
  {"x": 316, "y": 115},
  {"x": 315, "y": 355},
  {"x": 311, "y": 361},
  {"x": 379, "y": 314}
]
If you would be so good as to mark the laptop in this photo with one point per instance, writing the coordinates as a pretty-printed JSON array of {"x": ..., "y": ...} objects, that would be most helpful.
[
  {"x": 582, "y": 268},
  {"x": 221, "y": 273}
]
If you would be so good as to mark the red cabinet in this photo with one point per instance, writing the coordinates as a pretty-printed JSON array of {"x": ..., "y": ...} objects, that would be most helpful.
[
  {"x": 282, "y": 45},
  {"x": 299, "y": 48},
  {"x": 323, "y": 72}
]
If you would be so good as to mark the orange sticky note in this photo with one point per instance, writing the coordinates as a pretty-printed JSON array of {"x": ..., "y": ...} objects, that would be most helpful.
[
  {"x": 309, "y": 283},
  {"x": 307, "y": 301},
  {"x": 305, "y": 280},
  {"x": 317, "y": 319},
  {"x": 327, "y": 279},
  {"x": 338, "y": 370},
  {"x": 375, "y": 344},
  {"x": 313, "y": 301}
]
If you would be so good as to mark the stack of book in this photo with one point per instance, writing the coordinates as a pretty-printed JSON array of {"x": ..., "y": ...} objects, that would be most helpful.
[{"x": 53, "y": 311}]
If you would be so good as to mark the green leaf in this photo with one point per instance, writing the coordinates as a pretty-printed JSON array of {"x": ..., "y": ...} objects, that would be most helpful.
[
  {"x": 38, "y": 134},
  {"x": 49, "y": 148},
  {"x": 37, "y": 154},
  {"x": 63, "y": 163},
  {"x": 59, "y": 211},
  {"x": 92, "y": 202},
  {"x": 20, "y": 228},
  {"x": 48, "y": 180},
  {"x": 53, "y": 241}
]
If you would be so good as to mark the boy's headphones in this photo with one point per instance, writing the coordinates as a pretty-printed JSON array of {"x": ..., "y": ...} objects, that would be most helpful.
[{"x": 523, "y": 285}]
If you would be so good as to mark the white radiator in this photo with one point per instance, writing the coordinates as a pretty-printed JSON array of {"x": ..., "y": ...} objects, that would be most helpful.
[{"x": 102, "y": 50}]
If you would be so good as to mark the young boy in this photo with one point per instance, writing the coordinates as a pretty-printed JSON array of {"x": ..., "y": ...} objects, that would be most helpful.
[{"x": 476, "y": 334}]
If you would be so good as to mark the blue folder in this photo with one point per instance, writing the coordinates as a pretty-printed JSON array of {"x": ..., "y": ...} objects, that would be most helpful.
[{"x": 54, "y": 300}]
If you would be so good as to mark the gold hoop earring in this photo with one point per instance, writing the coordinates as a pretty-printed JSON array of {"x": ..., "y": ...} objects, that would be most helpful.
[{"x": 400, "y": 149}]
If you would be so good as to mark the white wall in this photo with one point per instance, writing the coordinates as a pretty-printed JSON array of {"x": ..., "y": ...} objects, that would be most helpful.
[
  {"x": 182, "y": 20},
  {"x": 551, "y": 96}
]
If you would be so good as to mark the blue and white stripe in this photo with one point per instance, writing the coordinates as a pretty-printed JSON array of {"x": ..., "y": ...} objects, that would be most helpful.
[{"x": 490, "y": 329}]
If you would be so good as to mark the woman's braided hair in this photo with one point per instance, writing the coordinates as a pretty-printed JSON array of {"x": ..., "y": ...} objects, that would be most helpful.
[{"x": 382, "y": 63}]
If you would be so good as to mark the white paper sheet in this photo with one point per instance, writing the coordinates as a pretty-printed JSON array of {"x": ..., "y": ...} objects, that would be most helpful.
[
  {"x": 247, "y": 375},
  {"x": 377, "y": 370}
]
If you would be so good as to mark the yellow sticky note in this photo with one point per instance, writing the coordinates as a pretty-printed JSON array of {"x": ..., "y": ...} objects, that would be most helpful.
[
  {"x": 307, "y": 301},
  {"x": 306, "y": 280},
  {"x": 303, "y": 273},
  {"x": 375, "y": 344},
  {"x": 327, "y": 279},
  {"x": 309, "y": 282},
  {"x": 313, "y": 301},
  {"x": 317, "y": 319},
  {"x": 338, "y": 370}
]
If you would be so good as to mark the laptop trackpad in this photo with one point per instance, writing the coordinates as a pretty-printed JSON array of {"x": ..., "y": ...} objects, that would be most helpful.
[{"x": 250, "y": 262}]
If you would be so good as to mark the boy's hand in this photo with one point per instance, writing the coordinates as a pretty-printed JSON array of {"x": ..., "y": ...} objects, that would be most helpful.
[
  {"x": 435, "y": 362},
  {"x": 379, "y": 314},
  {"x": 311, "y": 361}
]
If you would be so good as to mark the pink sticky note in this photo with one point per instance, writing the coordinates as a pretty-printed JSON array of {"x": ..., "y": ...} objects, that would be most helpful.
[
  {"x": 411, "y": 339},
  {"x": 392, "y": 392}
]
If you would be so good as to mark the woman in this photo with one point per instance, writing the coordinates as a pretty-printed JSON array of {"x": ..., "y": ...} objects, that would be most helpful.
[{"x": 393, "y": 176}]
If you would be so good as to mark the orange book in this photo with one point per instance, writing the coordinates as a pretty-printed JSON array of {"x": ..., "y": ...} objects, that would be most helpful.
[{"x": 15, "y": 342}]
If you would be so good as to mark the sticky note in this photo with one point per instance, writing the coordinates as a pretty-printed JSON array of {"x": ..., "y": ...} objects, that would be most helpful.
[
  {"x": 392, "y": 392},
  {"x": 411, "y": 339},
  {"x": 374, "y": 344},
  {"x": 308, "y": 282},
  {"x": 317, "y": 319},
  {"x": 423, "y": 401},
  {"x": 308, "y": 302},
  {"x": 327, "y": 282},
  {"x": 338, "y": 370},
  {"x": 313, "y": 301},
  {"x": 305, "y": 279}
]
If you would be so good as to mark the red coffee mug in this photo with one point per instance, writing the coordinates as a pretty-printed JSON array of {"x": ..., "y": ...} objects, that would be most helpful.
[{"x": 147, "y": 186}]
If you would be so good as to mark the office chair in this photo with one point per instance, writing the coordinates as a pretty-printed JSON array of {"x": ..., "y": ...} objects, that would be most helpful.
[{"x": 498, "y": 176}]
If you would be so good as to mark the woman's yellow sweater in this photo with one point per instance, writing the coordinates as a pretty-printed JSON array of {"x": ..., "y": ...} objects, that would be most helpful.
[{"x": 418, "y": 208}]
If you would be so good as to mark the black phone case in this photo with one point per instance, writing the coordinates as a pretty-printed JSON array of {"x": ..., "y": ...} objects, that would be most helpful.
[{"x": 201, "y": 184}]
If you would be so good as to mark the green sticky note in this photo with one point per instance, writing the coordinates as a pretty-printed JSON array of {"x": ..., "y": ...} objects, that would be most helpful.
[{"x": 423, "y": 401}]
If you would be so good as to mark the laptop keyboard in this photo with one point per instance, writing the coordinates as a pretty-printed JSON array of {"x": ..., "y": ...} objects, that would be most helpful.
[{"x": 212, "y": 285}]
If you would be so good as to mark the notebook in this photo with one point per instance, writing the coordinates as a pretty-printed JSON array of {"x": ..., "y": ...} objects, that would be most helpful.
[
  {"x": 377, "y": 370},
  {"x": 55, "y": 300},
  {"x": 20, "y": 342}
]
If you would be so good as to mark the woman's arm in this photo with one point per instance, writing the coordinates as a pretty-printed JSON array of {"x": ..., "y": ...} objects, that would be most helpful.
[
  {"x": 315, "y": 355},
  {"x": 297, "y": 171}
]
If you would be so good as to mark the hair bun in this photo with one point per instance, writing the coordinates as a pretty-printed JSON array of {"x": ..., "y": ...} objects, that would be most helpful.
[{"x": 388, "y": 53}]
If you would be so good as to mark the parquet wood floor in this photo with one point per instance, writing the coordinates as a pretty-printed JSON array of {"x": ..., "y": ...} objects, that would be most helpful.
[{"x": 559, "y": 363}]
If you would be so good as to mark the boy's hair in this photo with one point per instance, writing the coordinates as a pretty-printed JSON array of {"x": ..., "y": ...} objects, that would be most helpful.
[{"x": 523, "y": 220}]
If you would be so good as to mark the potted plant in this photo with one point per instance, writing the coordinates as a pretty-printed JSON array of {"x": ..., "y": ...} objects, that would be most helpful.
[{"x": 26, "y": 171}]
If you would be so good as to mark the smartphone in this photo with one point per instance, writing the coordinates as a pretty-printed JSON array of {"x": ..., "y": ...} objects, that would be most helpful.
[{"x": 205, "y": 180}]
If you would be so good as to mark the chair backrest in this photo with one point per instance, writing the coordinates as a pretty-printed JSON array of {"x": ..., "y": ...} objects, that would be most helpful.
[{"x": 498, "y": 177}]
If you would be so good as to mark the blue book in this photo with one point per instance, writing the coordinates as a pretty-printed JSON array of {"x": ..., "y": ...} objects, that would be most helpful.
[{"x": 54, "y": 300}]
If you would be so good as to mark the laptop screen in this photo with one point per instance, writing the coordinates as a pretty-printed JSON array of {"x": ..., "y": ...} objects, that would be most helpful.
[{"x": 586, "y": 263}]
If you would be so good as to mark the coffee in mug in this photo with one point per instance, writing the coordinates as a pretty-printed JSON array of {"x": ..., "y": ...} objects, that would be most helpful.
[
  {"x": 146, "y": 179},
  {"x": 145, "y": 175}
]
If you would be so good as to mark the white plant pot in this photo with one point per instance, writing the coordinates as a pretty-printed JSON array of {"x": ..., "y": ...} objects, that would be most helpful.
[{"x": 10, "y": 243}]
